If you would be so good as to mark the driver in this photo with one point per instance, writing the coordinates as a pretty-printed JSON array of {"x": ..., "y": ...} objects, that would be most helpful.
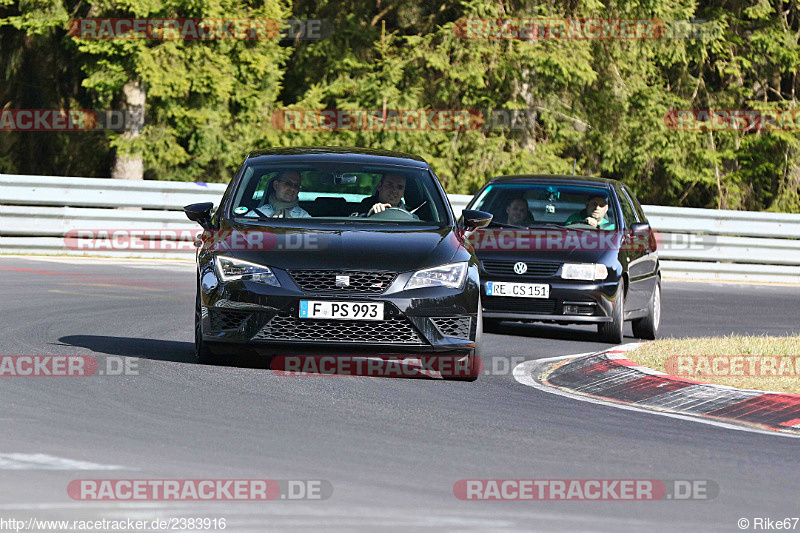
[
  {"x": 517, "y": 213},
  {"x": 388, "y": 194},
  {"x": 594, "y": 214}
]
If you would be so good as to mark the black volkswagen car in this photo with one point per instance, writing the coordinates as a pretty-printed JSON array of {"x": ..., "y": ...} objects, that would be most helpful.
[
  {"x": 566, "y": 249},
  {"x": 332, "y": 248}
]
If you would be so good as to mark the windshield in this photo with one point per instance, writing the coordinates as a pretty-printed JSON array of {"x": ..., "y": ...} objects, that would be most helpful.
[
  {"x": 548, "y": 204},
  {"x": 333, "y": 191}
]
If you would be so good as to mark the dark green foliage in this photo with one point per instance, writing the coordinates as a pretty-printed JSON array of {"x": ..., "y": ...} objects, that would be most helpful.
[{"x": 599, "y": 105}]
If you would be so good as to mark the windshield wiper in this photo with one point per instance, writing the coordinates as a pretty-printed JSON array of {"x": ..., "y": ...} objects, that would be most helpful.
[
  {"x": 546, "y": 225},
  {"x": 259, "y": 218},
  {"x": 529, "y": 226},
  {"x": 504, "y": 225},
  {"x": 420, "y": 205}
]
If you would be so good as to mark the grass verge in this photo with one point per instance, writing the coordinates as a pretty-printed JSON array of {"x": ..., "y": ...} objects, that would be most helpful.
[{"x": 744, "y": 362}]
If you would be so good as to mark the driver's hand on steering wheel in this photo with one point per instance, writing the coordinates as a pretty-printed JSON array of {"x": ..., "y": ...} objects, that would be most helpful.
[
  {"x": 591, "y": 221},
  {"x": 378, "y": 208}
]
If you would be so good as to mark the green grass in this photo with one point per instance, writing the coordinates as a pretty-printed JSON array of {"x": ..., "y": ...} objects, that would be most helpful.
[{"x": 758, "y": 351}]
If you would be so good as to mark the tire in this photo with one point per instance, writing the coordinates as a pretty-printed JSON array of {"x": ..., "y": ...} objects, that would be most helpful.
[
  {"x": 475, "y": 361},
  {"x": 612, "y": 332},
  {"x": 202, "y": 350},
  {"x": 647, "y": 327},
  {"x": 491, "y": 325},
  {"x": 475, "y": 368}
]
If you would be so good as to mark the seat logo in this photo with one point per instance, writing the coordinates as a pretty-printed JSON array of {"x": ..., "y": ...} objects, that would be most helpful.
[
  {"x": 520, "y": 268},
  {"x": 342, "y": 281}
]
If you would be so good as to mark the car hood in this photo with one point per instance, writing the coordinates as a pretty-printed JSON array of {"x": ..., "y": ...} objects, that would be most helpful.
[{"x": 393, "y": 248}]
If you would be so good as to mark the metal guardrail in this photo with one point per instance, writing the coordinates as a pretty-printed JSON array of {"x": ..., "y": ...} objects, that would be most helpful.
[
  {"x": 98, "y": 192},
  {"x": 36, "y": 212}
]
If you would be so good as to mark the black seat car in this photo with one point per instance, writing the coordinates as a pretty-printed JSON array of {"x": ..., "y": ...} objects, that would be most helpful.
[
  {"x": 292, "y": 258},
  {"x": 583, "y": 253}
]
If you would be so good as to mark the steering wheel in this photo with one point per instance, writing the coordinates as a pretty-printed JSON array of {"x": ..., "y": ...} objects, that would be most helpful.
[
  {"x": 580, "y": 225},
  {"x": 393, "y": 213}
]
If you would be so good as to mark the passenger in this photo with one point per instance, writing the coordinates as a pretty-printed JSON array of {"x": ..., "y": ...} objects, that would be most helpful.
[
  {"x": 598, "y": 207},
  {"x": 389, "y": 193},
  {"x": 517, "y": 213},
  {"x": 282, "y": 196}
]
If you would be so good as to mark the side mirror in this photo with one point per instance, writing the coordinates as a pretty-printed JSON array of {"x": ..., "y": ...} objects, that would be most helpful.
[
  {"x": 642, "y": 237},
  {"x": 473, "y": 220},
  {"x": 200, "y": 213}
]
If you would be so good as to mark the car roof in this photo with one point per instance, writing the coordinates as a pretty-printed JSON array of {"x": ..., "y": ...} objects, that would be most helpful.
[
  {"x": 337, "y": 153},
  {"x": 553, "y": 178}
]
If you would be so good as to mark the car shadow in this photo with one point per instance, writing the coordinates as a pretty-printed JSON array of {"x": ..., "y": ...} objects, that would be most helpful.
[
  {"x": 183, "y": 352},
  {"x": 156, "y": 349},
  {"x": 159, "y": 350},
  {"x": 564, "y": 333}
]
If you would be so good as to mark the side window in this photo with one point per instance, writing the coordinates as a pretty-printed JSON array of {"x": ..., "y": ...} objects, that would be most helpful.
[
  {"x": 638, "y": 206},
  {"x": 260, "y": 189},
  {"x": 628, "y": 213},
  {"x": 244, "y": 189}
]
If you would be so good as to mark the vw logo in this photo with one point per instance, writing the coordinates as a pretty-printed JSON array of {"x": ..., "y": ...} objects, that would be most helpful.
[
  {"x": 342, "y": 281},
  {"x": 520, "y": 268}
]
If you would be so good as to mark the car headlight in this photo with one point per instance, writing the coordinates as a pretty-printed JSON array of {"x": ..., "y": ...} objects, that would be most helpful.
[
  {"x": 451, "y": 275},
  {"x": 587, "y": 271},
  {"x": 230, "y": 269}
]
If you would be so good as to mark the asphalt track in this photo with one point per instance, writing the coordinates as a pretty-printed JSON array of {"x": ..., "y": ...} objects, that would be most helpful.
[{"x": 391, "y": 448}]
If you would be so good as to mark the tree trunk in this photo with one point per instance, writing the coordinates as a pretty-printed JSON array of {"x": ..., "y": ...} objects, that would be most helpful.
[
  {"x": 128, "y": 167},
  {"x": 524, "y": 90}
]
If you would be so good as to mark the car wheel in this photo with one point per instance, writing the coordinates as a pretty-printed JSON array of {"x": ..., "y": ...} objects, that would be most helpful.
[
  {"x": 202, "y": 350},
  {"x": 647, "y": 327},
  {"x": 475, "y": 363},
  {"x": 475, "y": 368},
  {"x": 613, "y": 331},
  {"x": 491, "y": 325}
]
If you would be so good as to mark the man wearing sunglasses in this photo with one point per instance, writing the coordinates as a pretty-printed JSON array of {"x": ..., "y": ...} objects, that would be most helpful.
[{"x": 282, "y": 194}]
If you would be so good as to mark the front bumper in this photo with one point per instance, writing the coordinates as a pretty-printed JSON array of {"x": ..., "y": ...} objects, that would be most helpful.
[
  {"x": 426, "y": 320},
  {"x": 569, "y": 303}
]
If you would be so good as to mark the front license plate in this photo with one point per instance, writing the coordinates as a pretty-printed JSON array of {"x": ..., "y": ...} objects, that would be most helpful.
[
  {"x": 518, "y": 290},
  {"x": 341, "y": 310}
]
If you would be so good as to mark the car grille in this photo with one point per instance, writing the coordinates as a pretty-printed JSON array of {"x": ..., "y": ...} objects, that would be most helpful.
[
  {"x": 456, "y": 326},
  {"x": 535, "y": 269},
  {"x": 396, "y": 330},
  {"x": 361, "y": 281},
  {"x": 521, "y": 305},
  {"x": 227, "y": 319}
]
